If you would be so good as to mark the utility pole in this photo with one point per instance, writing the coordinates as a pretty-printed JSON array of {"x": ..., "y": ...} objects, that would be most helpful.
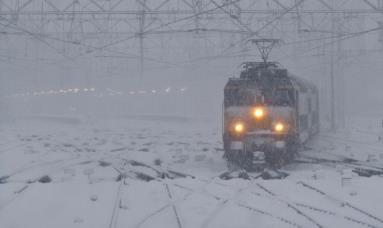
[
  {"x": 141, "y": 36},
  {"x": 380, "y": 39},
  {"x": 340, "y": 88},
  {"x": 332, "y": 76},
  {"x": 197, "y": 8}
]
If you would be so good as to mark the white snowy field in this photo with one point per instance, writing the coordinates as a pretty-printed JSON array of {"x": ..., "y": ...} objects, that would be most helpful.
[{"x": 62, "y": 172}]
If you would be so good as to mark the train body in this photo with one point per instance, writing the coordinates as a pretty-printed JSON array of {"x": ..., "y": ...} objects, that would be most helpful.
[{"x": 267, "y": 115}]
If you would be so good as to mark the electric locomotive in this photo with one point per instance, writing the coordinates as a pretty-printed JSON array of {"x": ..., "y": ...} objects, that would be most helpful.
[{"x": 267, "y": 114}]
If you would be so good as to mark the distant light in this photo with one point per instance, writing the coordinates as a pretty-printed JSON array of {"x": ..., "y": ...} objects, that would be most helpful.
[
  {"x": 167, "y": 89},
  {"x": 76, "y": 90},
  {"x": 132, "y": 92},
  {"x": 86, "y": 90},
  {"x": 154, "y": 91},
  {"x": 92, "y": 89}
]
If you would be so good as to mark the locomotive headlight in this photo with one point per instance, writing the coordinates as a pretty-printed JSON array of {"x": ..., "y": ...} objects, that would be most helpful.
[
  {"x": 259, "y": 112},
  {"x": 239, "y": 127},
  {"x": 279, "y": 127}
]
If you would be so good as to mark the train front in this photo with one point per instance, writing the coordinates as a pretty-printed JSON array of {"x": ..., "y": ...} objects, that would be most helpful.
[{"x": 259, "y": 120}]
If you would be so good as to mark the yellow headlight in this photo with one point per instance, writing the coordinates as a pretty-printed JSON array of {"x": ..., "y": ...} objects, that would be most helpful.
[
  {"x": 279, "y": 127},
  {"x": 259, "y": 113},
  {"x": 239, "y": 127}
]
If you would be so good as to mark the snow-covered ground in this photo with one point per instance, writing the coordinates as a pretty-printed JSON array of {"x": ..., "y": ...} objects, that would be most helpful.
[{"x": 62, "y": 172}]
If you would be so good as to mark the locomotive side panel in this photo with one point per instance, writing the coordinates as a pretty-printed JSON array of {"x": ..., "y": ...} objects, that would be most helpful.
[{"x": 307, "y": 110}]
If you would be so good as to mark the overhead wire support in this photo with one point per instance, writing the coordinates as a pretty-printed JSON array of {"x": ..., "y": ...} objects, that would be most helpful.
[{"x": 265, "y": 46}]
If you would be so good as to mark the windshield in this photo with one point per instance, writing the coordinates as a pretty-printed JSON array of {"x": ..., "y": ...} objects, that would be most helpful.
[
  {"x": 249, "y": 97},
  {"x": 240, "y": 97}
]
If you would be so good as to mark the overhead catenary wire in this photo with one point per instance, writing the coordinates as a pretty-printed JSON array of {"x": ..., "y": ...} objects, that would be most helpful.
[
  {"x": 156, "y": 30},
  {"x": 15, "y": 27},
  {"x": 161, "y": 26},
  {"x": 91, "y": 48}
]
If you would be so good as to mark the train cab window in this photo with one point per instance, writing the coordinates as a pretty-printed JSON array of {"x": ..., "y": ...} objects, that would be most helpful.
[
  {"x": 237, "y": 97},
  {"x": 283, "y": 97}
]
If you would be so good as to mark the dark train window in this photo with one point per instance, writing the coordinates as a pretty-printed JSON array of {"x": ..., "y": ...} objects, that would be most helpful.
[
  {"x": 240, "y": 97},
  {"x": 237, "y": 97},
  {"x": 283, "y": 97}
]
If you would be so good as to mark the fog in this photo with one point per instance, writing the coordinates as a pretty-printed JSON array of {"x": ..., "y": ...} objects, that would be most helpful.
[
  {"x": 112, "y": 113},
  {"x": 183, "y": 73}
]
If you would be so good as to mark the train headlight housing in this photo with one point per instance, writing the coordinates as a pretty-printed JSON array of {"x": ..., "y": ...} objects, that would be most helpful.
[
  {"x": 279, "y": 127},
  {"x": 259, "y": 112},
  {"x": 239, "y": 127}
]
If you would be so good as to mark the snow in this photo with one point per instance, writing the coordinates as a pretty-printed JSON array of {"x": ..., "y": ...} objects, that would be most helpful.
[
  {"x": 61, "y": 205},
  {"x": 93, "y": 167}
]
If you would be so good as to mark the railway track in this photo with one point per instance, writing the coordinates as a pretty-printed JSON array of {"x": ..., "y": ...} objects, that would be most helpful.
[
  {"x": 223, "y": 202},
  {"x": 33, "y": 165},
  {"x": 173, "y": 205},
  {"x": 351, "y": 141},
  {"x": 290, "y": 205},
  {"x": 221, "y": 206},
  {"x": 16, "y": 194},
  {"x": 346, "y": 204},
  {"x": 295, "y": 205},
  {"x": 335, "y": 215},
  {"x": 359, "y": 167},
  {"x": 362, "y": 168},
  {"x": 28, "y": 184},
  {"x": 171, "y": 202},
  {"x": 236, "y": 202},
  {"x": 116, "y": 206},
  {"x": 160, "y": 176},
  {"x": 53, "y": 166}
]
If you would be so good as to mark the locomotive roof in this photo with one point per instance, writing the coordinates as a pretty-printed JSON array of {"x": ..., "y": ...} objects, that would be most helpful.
[
  {"x": 303, "y": 83},
  {"x": 255, "y": 74}
]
